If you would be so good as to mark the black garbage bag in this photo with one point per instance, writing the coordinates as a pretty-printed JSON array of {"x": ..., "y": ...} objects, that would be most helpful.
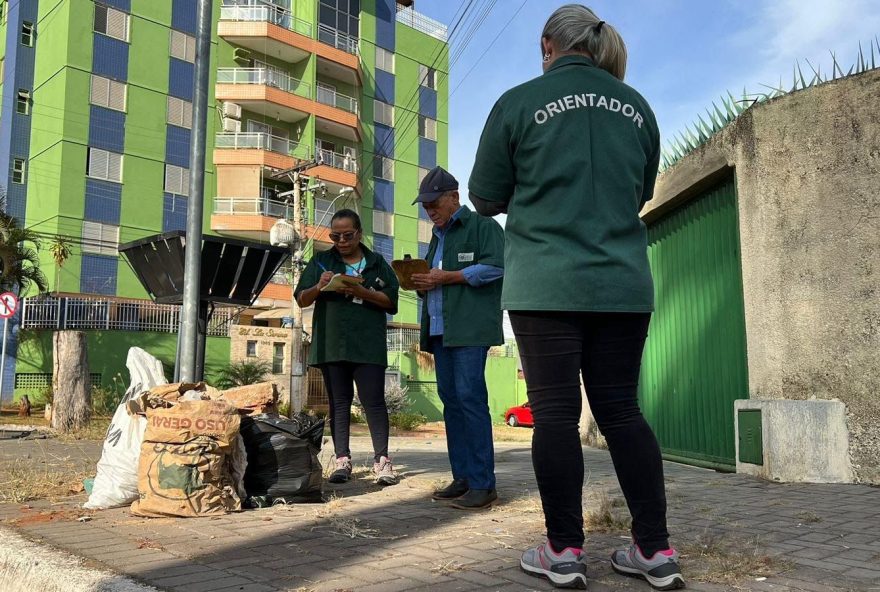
[{"x": 282, "y": 457}]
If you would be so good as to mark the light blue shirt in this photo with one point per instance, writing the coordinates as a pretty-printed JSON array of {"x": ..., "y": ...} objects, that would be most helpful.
[{"x": 476, "y": 275}]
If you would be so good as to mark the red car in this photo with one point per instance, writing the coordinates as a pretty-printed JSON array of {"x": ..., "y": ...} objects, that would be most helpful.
[{"x": 519, "y": 416}]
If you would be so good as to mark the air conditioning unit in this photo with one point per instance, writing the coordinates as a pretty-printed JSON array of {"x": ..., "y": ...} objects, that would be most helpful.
[
  {"x": 232, "y": 110},
  {"x": 231, "y": 125}
]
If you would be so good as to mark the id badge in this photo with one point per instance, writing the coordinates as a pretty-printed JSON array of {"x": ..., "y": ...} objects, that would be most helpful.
[{"x": 357, "y": 300}]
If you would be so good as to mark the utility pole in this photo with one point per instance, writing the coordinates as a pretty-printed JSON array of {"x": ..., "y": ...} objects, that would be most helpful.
[
  {"x": 189, "y": 319},
  {"x": 297, "y": 364}
]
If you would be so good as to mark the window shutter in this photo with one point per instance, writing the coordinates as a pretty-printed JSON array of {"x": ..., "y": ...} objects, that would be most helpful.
[
  {"x": 114, "y": 167},
  {"x": 117, "y": 24},
  {"x": 116, "y": 95},
  {"x": 98, "y": 163},
  {"x": 91, "y": 237},
  {"x": 100, "y": 91},
  {"x": 425, "y": 231},
  {"x": 101, "y": 19},
  {"x": 383, "y": 223}
]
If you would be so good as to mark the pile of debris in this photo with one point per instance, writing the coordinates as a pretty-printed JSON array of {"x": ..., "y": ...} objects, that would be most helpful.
[{"x": 188, "y": 449}]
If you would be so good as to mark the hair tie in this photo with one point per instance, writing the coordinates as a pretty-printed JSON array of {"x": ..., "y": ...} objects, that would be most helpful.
[{"x": 599, "y": 26}]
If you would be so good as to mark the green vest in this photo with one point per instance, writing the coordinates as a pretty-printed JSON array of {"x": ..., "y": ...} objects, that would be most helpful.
[
  {"x": 343, "y": 331},
  {"x": 574, "y": 155},
  {"x": 471, "y": 316}
]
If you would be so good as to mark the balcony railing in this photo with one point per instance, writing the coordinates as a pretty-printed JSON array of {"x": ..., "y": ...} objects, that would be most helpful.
[
  {"x": 337, "y": 39},
  {"x": 252, "y": 206},
  {"x": 345, "y": 162},
  {"x": 108, "y": 314},
  {"x": 330, "y": 97},
  {"x": 264, "y": 13},
  {"x": 264, "y": 76},
  {"x": 261, "y": 141},
  {"x": 420, "y": 22}
]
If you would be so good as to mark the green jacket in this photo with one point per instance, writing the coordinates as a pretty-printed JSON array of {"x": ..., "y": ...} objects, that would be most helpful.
[
  {"x": 343, "y": 331},
  {"x": 471, "y": 316}
]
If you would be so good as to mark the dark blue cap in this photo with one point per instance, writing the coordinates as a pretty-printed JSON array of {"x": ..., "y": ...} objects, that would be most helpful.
[{"x": 437, "y": 182}]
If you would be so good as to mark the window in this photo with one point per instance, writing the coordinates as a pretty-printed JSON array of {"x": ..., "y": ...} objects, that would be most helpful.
[
  {"x": 427, "y": 76},
  {"x": 383, "y": 168},
  {"x": 278, "y": 358},
  {"x": 384, "y": 60},
  {"x": 111, "y": 22},
  {"x": 383, "y": 113},
  {"x": 183, "y": 47},
  {"x": 423, "y": 172},
  {"x": 99, "y": 238},
  {"x": 179, "y": 112},
  {"x": 324, "y": 210},
  {"x": 428, "y": 128},
  {"x": 383, "y": 223},
  {"x": 425, "y": 231},
  {"x": 341, "y": 15},
  {"x": 104, "y": 165},
  {"x": 108, "y": 93},
  {"x": 23, "y": 102},
  {"x": 423, "y": 251},
  {"x": 251, "y": 349},
  {"x": 176, "y": 180},
  {"x": 19, "y": 170},
  {"x": 384, "y": 245},
  {"x": 27, "y": 34}
]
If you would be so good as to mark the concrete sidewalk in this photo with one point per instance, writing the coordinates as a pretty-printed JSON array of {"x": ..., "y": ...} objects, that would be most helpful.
[{"x": 734, "y": 532}]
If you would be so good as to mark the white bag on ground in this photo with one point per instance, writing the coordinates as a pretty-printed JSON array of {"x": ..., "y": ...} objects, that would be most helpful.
[{"x": 116, "y": 481}]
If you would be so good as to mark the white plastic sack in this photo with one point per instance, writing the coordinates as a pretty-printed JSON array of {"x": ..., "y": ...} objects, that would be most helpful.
[{"x": 116, "y": 481}]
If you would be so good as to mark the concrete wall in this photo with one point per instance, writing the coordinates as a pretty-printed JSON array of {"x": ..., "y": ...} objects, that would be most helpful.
[{"x": 808, "y": 179}]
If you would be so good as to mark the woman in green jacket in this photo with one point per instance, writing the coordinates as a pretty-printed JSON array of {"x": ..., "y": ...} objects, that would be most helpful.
[{"x": 349, "y": 338}]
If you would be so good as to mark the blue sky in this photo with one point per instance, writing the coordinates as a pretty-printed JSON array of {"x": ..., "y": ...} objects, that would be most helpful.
[{"x": 683, "y": 54}]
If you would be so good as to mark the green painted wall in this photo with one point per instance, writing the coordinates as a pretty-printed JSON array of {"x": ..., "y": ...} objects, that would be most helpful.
[
  {"x": 108, "y": 350},
  {"x": 505, "y": 389}
]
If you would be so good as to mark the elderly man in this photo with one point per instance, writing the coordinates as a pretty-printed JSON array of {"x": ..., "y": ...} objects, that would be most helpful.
[{"x": 461, "y": 319}]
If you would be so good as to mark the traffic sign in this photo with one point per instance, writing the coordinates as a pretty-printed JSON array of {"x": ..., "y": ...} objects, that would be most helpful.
[{"x": 8, "y": 305}]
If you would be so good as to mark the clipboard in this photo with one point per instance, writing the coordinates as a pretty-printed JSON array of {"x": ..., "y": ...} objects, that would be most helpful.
[
  {"x": 339, "y": 280},
  {"x": 405, "y": 268}
]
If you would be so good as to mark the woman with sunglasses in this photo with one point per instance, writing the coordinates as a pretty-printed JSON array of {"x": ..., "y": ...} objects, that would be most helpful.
[{"x": 349, "y": 338}]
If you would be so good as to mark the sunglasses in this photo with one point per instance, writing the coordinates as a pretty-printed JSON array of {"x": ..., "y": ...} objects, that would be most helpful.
[{"x": 338, "y": 237}]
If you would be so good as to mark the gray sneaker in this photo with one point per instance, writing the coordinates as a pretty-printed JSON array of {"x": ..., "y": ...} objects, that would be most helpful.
[
  {"x": 661, "y": 571},
  {"x": 564, "y": 570},
  {"x": 342, "y": 472},
  {"x": 384, "y": 471}
]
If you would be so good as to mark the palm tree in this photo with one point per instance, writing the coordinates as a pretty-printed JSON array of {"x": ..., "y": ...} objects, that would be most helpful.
[
  {"x": 60, "y": 249},
  {"x": 243, "y": 373},
  {"x": 19, "y": 258}
]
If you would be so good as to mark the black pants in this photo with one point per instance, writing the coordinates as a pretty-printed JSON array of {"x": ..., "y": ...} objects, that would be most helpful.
[
  {"x": 340, "y": 378},
  {"x": 606, "y": 348}
]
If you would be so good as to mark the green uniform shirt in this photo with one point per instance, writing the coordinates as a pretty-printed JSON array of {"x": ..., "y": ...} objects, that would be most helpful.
[
  {"x": 471, "y": 316},
  {"x": 574, "y": 155},
  {"x": 343, "y": 331}
]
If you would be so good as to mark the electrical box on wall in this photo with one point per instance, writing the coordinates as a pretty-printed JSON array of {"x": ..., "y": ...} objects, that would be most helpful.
[{"x": 751, "y": 440}]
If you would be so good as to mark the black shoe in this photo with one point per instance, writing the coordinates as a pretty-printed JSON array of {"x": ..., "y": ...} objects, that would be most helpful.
[
  {"x": 476, "y": 499},
  {"x": 454, "y": 490}
]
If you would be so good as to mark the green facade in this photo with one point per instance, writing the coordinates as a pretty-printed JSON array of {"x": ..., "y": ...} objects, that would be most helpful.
[{"x": 63, "y": 128}]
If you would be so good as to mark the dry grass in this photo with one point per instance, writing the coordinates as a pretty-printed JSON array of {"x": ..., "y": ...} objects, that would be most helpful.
[
  {"x": 96, "y": 430},
  {"x": 808, "y": 517},
  {"x": 607, "y": 515},
  {"x": 24, "y": 480},
  {"x": 444, "y": 568},
  {"x": 718, "y": 560},
  {"x": 505, "y": 433},
  {"x": 423, "y": 484},
  {"x": 522, "y": 505}
]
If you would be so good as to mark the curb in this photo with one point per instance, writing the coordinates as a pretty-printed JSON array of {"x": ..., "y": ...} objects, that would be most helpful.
[{"x": 26, "y": 566}]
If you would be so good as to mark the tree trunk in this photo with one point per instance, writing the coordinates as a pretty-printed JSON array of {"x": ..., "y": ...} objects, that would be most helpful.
[{"x": 72, "y": 401}]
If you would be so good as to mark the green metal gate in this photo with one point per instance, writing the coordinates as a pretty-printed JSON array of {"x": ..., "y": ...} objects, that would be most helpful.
[{"x": 694, "y": 365}]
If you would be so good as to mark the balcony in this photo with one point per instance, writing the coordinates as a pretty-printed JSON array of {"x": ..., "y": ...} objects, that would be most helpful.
[
  {"x": 254, "y": 148},
  {"x": 250, "y": 217},
  {"x": 343, "y": 162},
  {"x": 277, "y": 95},
  {"x": 267, "y": 29},
  {"x": 337, "y": 39},
  {"x": 330, "y": 97},
  {"x": 416, "y": 20},
  {"x": 336, "y": 170}
]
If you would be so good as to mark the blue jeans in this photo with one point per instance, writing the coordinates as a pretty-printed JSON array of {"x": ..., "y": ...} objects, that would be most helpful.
[{"x": 461, "y": 384}]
